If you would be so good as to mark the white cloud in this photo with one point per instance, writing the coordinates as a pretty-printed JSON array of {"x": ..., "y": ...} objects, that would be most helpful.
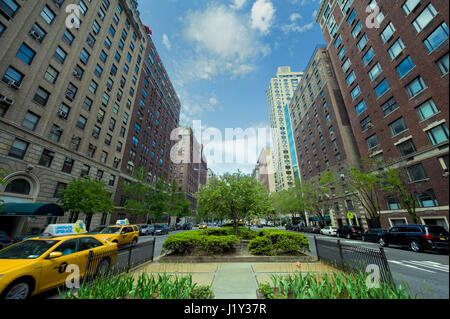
[
  {"x": 295, "y": 16},
  {"x": 237, "y": 4},
  {"x": 263, "y": 14},
  {"x": 293, "y": 27},
  {"x": 166, "y": 42}
]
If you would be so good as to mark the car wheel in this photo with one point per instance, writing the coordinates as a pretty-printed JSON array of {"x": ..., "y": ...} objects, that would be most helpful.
[
  {"x": 415, "y": 246},
  {"x": 18, "y": 290},
  {"x": 383, "y": 242}
]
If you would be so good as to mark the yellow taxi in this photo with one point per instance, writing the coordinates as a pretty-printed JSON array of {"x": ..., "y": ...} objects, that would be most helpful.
[
  {"x": 41, "y": 263},
  {"x": 202, "y": 226},
  {"x": 122, "y": 233}
]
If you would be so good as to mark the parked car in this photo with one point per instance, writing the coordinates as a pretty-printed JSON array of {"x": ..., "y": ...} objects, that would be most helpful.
[
  {"x": 178, "y": 227},
  {"x": 288, "y": 226},
  {"x": 329, "y": 230},
  {"x": 35, "y": 232},
  {"x": 296, "y": 227},
  {"x": 161, "y": 229},
  {"x": 146, "y": 230},
  {"x": 202, "y": 226},
  {"x": 120, "y": 234},
  {"x": 97, "y": 229},
  {"x": 417, "y": 237},
  {"x": 350, "y": 232},
  {"x": 315, "y": 230},
  {"x": 5, "y": 239},
  {"x": 187, "y": 226},
  {"x": 373, "y": 234}
]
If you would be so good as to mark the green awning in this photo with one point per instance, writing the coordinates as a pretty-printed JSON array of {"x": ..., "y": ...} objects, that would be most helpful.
[
  {"x": 318, "y": 219},
  {"x": 31, "y": 209}
]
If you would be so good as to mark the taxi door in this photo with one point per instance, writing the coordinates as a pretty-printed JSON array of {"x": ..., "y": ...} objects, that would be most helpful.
[
  {"x": 53, "y": 271},
  {"x": 125, "y": 234}
]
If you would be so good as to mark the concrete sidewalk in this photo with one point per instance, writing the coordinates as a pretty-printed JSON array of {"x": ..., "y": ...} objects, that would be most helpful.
[{"x": 231, "y": 280}]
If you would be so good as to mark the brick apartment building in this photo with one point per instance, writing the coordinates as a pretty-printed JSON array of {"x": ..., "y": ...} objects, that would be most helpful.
[
  {"x": 191, "y": 170},
  {"x": 323, "y": 136},
  {"x": 392, "y": 68}
]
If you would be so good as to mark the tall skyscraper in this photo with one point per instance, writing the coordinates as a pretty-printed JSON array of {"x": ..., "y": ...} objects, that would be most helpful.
[
  {"x": 392, "y": 67},
  {"x": 279, "y": 94}
]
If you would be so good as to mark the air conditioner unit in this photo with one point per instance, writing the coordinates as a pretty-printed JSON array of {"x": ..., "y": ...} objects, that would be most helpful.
[
  {"x": 6, "y": 100},
  {"x": 14, "y": 84},
  {"x": 62, "y": 113},
  {"x": 76, "y": 74},
  {"x": 35, "y": 35},
  {"x": 369, "y": 125}
]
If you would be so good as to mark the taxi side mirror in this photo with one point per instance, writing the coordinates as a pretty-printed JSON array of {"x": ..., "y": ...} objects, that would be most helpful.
[{"x": 55, "y": 254}]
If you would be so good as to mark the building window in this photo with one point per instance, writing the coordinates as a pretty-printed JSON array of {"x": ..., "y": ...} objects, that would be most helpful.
[
  {"x": 392, "y": 203},
  {"x": 99, "y": 175},
  {"x": 60, "y": 55},
  {"x": 389, "y": 106},
  {"x": 18, "y": 149},
  {"x": 404, "y": 67},
  {"x": 360, "y": 107},
  {"x": 362, "y": 42},
  {"x": 415, "y": 87},
  {"x": 93, "y": 87},
  {"x": 68, "y": 37},
  {"x": 410, "y": 5},
  {"x": 397, "y": 127},
  {"x": 375, "y": 71},
  {"x": 71, "y": 92},
  {"x": 437, "y": 37},
  {"x": 368, "y": 57},
  {"x": 84, "y": 56},
  {"x": 87, "y": 104},
  {"x": 382, "y": 88},
  {"x": 427, "y": 199},
  {"x": 85, "y": 171},
  {"x": 350, "y": 78},
  {"x": 8, "y": 8},
  {"x": 438, "y": 134},
  {"x": 424, "y": 18},
  {"x": 372, "y": 141},
  {"x": 426, "y": 110},
  {"x": 59, "y": 188},
  {"x": 351, "y": 17},
  {"x": 55, "y": 133},
  {"x": 366, "y": 123},
  {"x": 112, "y": 180},
  {"x": 388, "y": 32},
  {"x": 357, "y": 29},
  {"x": 46, "y": 158},
  {"x": 26, "y": 54},
  {"x": 51, "y": 75},
  {"x": 416, "y": 173},
  {"x": 396, "y": 49},
  {"x": 41, "y": 96},
  {"x": 81, "y": 122},
  {"x": 68, "y": 165},
  {"x": 48, "y": 15},
  {"x": 342, "y": 53},
  {"x": 406, "y": 148},
  {"x": 443, "y": 64},
  {"x": 37, "y": 33},
  {"x": 30, "y": 121}
]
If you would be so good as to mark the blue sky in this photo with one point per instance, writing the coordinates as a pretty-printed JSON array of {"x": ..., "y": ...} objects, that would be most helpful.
[{"x": 220, "y": 56}]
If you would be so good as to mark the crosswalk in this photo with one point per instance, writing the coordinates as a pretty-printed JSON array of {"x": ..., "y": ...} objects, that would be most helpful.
[{"x": 426, "y": 266}]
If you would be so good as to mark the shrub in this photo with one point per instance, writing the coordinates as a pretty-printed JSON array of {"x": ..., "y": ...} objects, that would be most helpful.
[
  {"x": 273, "y": 242},
  {"x": 201, "y": 242}
]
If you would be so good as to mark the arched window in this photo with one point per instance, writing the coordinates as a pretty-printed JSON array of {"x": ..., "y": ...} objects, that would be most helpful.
[{"x": 18, "y": 186}]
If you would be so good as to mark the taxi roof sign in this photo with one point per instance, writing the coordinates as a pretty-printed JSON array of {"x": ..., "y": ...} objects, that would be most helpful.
[
  {"x": 65, "y": 229},
  {"x": 123, "y": 222}
]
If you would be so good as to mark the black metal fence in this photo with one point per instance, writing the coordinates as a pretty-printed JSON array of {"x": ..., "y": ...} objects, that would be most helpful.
[
  {"x": 352, "y": 258},
  {"x": 119, "y": 260}
]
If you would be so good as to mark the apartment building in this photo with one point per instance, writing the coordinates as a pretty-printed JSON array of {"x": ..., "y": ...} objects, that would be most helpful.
[
  {"x": 66, "y": 98},
  {"x": 279, "y": 94},
  {"x": 190, "y": 169},
  {"x": 156, "y": 114},
  {"x": 264, "y": 171},
  {"x": 391, "y": 60},
  {"x": 323, "y": 136}
]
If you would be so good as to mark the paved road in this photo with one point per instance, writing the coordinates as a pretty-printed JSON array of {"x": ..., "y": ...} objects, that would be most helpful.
[{"x": 423, "y": 271}]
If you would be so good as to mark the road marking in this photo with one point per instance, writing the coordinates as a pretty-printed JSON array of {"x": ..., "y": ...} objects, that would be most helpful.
[
  {"x": 430, "y": 264},
  {"x": 410, "y": 266}
]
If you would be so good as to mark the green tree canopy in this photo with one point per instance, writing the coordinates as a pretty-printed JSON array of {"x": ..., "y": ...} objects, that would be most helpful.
[{"x": 237, "y": 196}]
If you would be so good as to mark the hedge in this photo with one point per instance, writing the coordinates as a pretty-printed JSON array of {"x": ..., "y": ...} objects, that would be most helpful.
[
  {"x": 202, "y": 242},
  {"x": 273, "y": 242}
]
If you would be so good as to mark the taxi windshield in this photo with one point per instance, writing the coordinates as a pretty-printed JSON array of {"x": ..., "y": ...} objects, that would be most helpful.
[
  {"x": 111, "y": 230},
  {"x": 29, "y": 249}
]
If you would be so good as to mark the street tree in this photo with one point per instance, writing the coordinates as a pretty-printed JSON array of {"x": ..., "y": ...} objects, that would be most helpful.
[
  {"x": 177, "y": 204},
  {"x": 83, "y": 195},
  {"x": 236, "y": 196},
  {"x": 137, "y": 194}
]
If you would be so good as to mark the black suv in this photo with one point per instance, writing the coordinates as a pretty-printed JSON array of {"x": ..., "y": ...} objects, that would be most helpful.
[
  {"x": 416, "y": 237},
  {"x": 349, "y": 232}
]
